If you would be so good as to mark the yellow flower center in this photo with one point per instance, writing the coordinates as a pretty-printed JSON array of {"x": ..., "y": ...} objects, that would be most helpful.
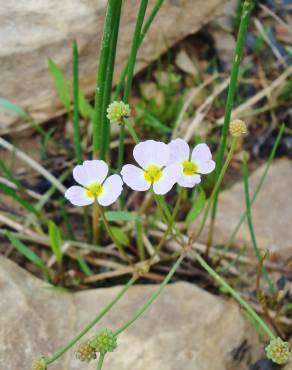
[
  {"x": 190, "y": 168},
  {"x": 94, "y": 190},
  {"x": 152, "y": 173}
]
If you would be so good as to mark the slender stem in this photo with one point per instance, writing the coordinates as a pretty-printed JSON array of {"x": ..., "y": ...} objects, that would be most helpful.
[
  {"x": 70, "y": 344},
  {"x": 105, "y": 124},
  {"x": 100, "y": 361},
  {"x": 154, "y": 296},
  {"x": 100, "y": 84},
  {"x": 111, "y": 235},
  {"x": 76, "y": 125},
  {"x": 235, "y": 295},
  {"x": 95, "y": 221},
  {"x": 218, "y": 183},
  {"x": 145, "y": 29},
  {"x": 250, "y": 225},
  {"x": 259, "y": 185},
  {"x": 130, "y": 73},
  {"x": 245, "y": 15},
  {"x": 170, "y": 224}
]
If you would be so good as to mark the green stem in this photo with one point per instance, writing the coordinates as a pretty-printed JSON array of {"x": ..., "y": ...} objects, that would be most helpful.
[
  {"x": 259, "y": 185},
  {"x": 95, "y": 221},
  {"x": 154, "y": 296},
  {"x": 235, "y": 295},
  {"x": 218, "y": 183},
  {"x": 60, "y": 353},
  {"x": 76, "y": 125},
  {"x": 102, "y": 70},
  {"x": 105, "y": 125},
  {"x": 250, "y": 225},
  {"x": 246, "y": 10},
  {"x": 111, "y": 235},
  {"x": 130, "y": 73},
  {"x": 145, "y": 29},
  {"x": 100, "y": 361},
  {"x": 170, "y": 224}
]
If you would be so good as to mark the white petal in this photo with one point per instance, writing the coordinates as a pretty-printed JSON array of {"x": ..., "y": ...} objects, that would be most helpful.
[
  {"x": 134, "y": 177},
  {"x": 151, "y": 152},
  {"x": 90, "y": 171},
  {"x": 206, "y": 167},
  {"x": 179, "y": 150},
  {"x": 77, "y": 196},
  {"x": 201, "y": 153},
  {"x": 112, "y": 189},
  {"x": 169, "y": 177},
  {"x": 189, "y": 181}
]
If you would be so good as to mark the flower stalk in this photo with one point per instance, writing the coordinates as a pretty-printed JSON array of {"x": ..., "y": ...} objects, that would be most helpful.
[
  {"x": 244, "y": 21},
  {"x": 70, "y": 344},
  {"x": 130, "y": 73}
]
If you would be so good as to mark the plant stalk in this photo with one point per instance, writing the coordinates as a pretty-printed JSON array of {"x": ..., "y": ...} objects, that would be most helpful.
[
  {"x": 245, "y": 15},
  {"x": 61, "y": 352},
  {"x": 130, "y": 73}
]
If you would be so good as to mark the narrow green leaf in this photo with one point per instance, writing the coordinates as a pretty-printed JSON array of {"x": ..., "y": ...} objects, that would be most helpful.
[
  {"x": 26, "y": 252},
  {"x": 9, "y": 174},
  {"x": 85, "y": 108},
  {"x": 120, "y": 235},
  {"x": 197, "y": 207},
  {"x": 25, "y": 204},
  {"x": 56, "y": 241},
  {"x": 121, "y": 216},
  {"x": 60, "y": 84},
  {"x": 8, "y": 105},
  {"x": 84, "y": 266},
  {"x": 76, "y": 118},
  {"x": 151, "y": 121}
]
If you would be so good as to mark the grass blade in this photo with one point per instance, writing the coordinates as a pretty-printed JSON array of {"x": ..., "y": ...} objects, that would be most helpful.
[
  {"x": 60, "y": 84},
  {"x": 56, "y": 241},
  {"x": 250, "y": 224},
  {"x": 76, "y": 123},
  {"x": 26, "y": 252}
]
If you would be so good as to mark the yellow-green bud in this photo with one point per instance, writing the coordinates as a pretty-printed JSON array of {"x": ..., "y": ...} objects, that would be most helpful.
[
  {"x": 278, "y": 351},
  {"x": 117, "y": 111},
  {"x": 85, "y": 352},
  {"x": 39, "y": 364},
  {"x": 237, "y": 128},
  {"x": 104, "y": 341}
]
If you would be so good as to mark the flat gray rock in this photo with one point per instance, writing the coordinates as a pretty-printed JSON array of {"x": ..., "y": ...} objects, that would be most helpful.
[
  {"x": 271, "y": 212},
  {"x": 185, "y": 329},
  {"x": 32, "y": 31}
]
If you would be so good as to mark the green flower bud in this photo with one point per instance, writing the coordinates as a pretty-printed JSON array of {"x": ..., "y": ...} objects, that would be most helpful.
[
  {"x": 85, "y": 352},
  {"x": 39, "y": 364},
  {"x": 104, "y": 341},
  {"x": 278, "y": 351},
  {"x": 117, "y": 111}
]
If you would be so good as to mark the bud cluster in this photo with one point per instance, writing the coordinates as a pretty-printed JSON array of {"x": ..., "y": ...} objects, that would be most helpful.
[
  {"x": 117, "y": 111},
  {"x": 278, "y": 351},
  {"x": 104, "y": 341},
  {"x": 39, "y": 364},
  {"x": 237, "y": 128}
]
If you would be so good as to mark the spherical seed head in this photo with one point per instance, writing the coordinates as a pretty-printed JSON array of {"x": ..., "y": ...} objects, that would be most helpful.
[
  {"x": 117, "y": 111},
  {"x": 39, "y": 364},
  {"x": 278, "y": 351},
  {"x": 237, "y": 128},
  {"x": 85, "y": 352},
  {"x": 104, "y": 341}
]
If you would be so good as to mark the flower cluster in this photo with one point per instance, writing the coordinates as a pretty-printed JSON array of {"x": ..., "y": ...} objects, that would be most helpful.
[
  {"x": 103, "y": 342},
  {"x": 159, "y": 166},
  {"x": 278, "y": 351}
]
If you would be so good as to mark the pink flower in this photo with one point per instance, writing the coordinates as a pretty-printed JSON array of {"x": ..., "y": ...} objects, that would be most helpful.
[
  {"x": 191, "y": 164},
  {"x": 152, "y": 157},
  {"x": 92, "y": 176}
]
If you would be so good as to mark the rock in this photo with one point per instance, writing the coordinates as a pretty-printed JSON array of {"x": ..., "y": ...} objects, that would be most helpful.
[
  {"x": 271, "y": 212},
  {"x": 32, "y": 31},
  {"x": 186, "y": 328}
]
